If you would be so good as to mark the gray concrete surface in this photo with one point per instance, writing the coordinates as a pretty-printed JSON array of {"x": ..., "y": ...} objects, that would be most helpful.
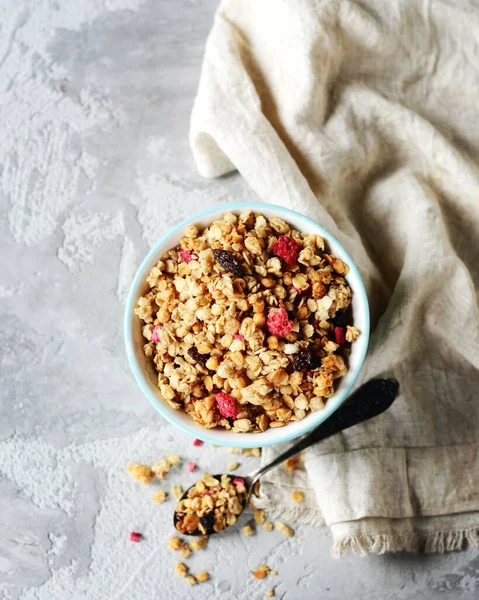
[{"x": 94, "y": 166}]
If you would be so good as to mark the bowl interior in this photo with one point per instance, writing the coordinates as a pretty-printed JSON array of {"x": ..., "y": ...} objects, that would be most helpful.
[{"x": 145, "y": 373}]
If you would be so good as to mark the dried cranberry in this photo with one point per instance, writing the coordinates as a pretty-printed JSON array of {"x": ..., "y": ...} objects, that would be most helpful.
[
  {"x": 196, "y": 355},
  {"x": 135, "y": 536},
  {"x": 306, "y": 360},
  {"x": 226, "y": 405},
  {"x": 286, "y": 248},
  {"x": 229, "y": 262},
  {"x": 339, "y": 335}
]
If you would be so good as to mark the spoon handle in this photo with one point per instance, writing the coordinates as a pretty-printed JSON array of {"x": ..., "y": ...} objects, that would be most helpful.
[{"x": 368, "y": 401}]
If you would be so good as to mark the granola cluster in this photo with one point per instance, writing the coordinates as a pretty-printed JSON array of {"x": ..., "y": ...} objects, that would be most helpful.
[
  {"x": 248, "y": 323},
  {"x": 211, "y": 505}
]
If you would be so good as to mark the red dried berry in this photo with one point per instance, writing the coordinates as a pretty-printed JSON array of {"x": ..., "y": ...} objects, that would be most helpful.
[
  {"x": 229, "y": 262},
  {"x": 198, "y": 442},
  {"x": 278, "y": 322},
  {"x": 186, "y": 255},
  {"x": 191, "y": 466},
  {"x": 155, "y": 334},
  {"x": 286, "y": 248},
  {"x": 339, "y": 335},
  {"x": 226, "y": 405},
  {"x": 238, "y": 481},
  {"x": 239, "y": 336},
  {"x": 135, "y": 536}
]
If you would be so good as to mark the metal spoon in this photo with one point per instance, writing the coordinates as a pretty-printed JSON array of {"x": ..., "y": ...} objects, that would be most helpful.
[{"x": 368, "y": 401}]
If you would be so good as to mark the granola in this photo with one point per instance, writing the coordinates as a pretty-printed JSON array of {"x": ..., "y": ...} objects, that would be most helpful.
[
  {"x": 211, "y": 504},
  {"x": 248, "y": 323}
]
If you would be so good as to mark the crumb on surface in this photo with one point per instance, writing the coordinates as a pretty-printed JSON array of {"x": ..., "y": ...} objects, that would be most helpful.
[
  {"x": 287, "y": 531},
  {"x": 181, "y": 569},
  {"x": 232, "y": 466},
  {"x": 297, "y": 496},
  {"x": 175, "y": 543},
  {"x": 247, "y": 530},
  {"x": 141, "y": 473},
  {"x": 202, "y": 576},
  {"x": 268, "y": 526},
  {"x": 291, "y": 464},
  {"x": 259, "y": 516},
  {"x": 160, "y": 496}
]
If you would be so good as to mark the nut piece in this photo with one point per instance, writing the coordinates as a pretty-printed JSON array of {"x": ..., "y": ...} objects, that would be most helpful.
[
  {"x": 177, "y": 491},
  {"x": 174, "y": 543},
  {"x": 247, "y": 530},
  {"x": 287, "y": 531},
  {"x": 259, "y": 516},
  {"x": 141, "y": 473},
  {"x": 181, "y": 569},
  {"x": 270, "y": 592},
  {"x": 202, "y": 576},
  {"x": 297, "y": 496},
  {"x": 232, "y": 466},
  {"x": 191, "y": 579},
  {"x": 159, "y": 497},
  {"x": 268, "y": 526}
]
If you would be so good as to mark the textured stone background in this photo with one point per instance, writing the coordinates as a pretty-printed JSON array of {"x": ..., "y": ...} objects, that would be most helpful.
[{"x": 94, "y": 166}]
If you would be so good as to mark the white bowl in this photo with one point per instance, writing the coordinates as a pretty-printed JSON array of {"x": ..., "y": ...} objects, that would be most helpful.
[{"x": 146, "y": 375}]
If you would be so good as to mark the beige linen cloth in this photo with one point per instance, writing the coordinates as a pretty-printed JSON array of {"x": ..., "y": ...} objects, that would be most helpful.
[{"x": 365, "y": 116}]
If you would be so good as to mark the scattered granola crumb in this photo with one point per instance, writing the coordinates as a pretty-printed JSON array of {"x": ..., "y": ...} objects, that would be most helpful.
[
  {"x": 185, "y": 551},
  {"x": 202, "y": 576},
  {"x": 270, "y": 592},
  {"x": 291, "y": 464},
  {"x": 191, "y": 579},
  {"x": 232, "y": 466},
  {"x": 161, "y": 468},
  {"x": 273, "y": 572},
  {"x": 174, "y": 459},
  {"x": 287, "y": 531},
  {"x": 191, "y": 466},
  {"x": 181, "y": 569},
  {"x": 159, "y": 497},
  {"x": 297, "y": 496},
  {"x": 199, "y": 543},
  {"x": 135, "y": 536},
  {"x": 198, "y": 442},
  {"x": 247, "y": 530},
  {"x": 261, "y": 572},
  {"x": 174, "y": 543},
  {"x": 141, "y": 473},
  {"x": 259, "y": 516},
  {"x": 268, "y": 526},
  {"x": 177, "y": 491}
]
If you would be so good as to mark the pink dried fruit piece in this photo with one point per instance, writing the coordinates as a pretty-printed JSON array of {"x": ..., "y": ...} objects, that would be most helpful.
[
  {"x": 286, "y": 248},
  {"x": 186, "y": 256},
  {"x": 278, "y": 322},
  {"x": 155, "y": 334},
  {"x": 198, "y": 442},
  {"x": 191, "y": 466},
  {"x": 339, "y": 335},
  {"x": 135, "y": 536},
  {"x": 226, "y": 405},
  {"x": 239, "y": 336}
]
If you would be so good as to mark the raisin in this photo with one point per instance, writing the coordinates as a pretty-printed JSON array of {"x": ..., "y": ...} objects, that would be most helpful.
[
  {"x": 340, "y": 319},
  {"x": 201, "y": 359},
  {"x": 208, "y": 521},
  {"x": 229, "y": 262},
  {"x": 306, "y": 360}
]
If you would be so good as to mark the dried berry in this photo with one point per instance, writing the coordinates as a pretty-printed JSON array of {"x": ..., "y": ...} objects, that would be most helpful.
[
  {"x": 226, "y": 405},
  {"x": 191, "y": 466},
  {"x": 135, "y": 536},
  {"x": 208, "y": 522},
  {"x": 278, "y": 322},
  {"x": 339, "y": 335},
  {"x": 186, "y": 255},
  {"x": 306, "y": 360},
  {"x": 239, "y": 336},
  {"x": 340, "y": 319},
  {"x": 198, "y": 442},
  {"x": 229, "y": 262},
  {"x": 196, "y": 355},
  {"x": 286, "y": 248},
  {"x": 155, "y": 334}
]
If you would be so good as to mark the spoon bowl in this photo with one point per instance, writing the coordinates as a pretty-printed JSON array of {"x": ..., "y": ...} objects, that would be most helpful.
[{"x": 216, "y": 501}]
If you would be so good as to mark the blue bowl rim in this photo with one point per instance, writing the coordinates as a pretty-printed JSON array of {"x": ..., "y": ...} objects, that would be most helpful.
[{"x": 329, "y": 408}]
